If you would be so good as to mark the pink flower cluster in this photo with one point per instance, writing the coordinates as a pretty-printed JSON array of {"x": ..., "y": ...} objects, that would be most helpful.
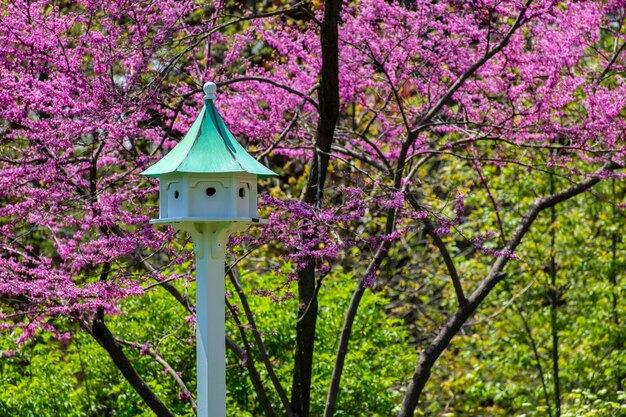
[{"x": 93, "y": 92}]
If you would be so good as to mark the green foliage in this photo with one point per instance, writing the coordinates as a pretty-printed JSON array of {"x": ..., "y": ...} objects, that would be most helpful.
[
  {"x": 77, "y": 378},
  {"x": 377, "y": 359},
  {"x": 492, "y": 367},
  {"x": 587, "y": 404}
]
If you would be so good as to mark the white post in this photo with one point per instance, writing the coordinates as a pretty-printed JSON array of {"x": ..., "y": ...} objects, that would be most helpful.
[
  {"x": 210, "y": 241},
  {"x": 210, "y": 328}
]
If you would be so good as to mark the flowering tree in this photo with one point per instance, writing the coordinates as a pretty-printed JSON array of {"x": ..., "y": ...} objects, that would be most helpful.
[{"x": 366, "y": 109}]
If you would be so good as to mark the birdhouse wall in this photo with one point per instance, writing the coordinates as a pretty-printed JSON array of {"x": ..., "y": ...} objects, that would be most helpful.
[
  {"x": 211, "y": 196},
  {"x": 208, "y": 196},
  {"x": 174, "y": 201},
  {"x": 245, "y": 197}
]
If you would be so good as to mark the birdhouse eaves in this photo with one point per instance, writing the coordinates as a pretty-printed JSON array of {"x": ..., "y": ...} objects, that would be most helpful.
[{"x": 208, "y": 147}]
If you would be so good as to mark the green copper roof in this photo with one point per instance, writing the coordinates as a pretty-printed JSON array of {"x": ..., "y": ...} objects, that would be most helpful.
[{"x": 208, "y": 147}]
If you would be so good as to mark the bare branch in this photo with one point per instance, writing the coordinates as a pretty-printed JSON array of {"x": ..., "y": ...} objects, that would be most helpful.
[
  {"x": 247, "y": 356},
  {"x": 305, "y": 96},
  {"x": 494, "y": 203},
  {"x": 429, "y": 356},
  {"x": 346, "y": 331},
  {"x": 290, "y": 126},
  {"x": 211, "y": 31},
  {"x": 612, "y": 61},
  {"x": 533, "y": 345},
  {"x": 427, "y": 118},
  {"x": 234, "y": 279},
  {"x": 232, "y": 345},
  {"x": 447, "y": 259},
  {"x": 105, "y": 338},
  {"x": 170, "y": 370},
  {"x": 182, "y": 299}
]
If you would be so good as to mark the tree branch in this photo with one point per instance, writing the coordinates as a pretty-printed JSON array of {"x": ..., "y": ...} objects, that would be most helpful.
[
  {"x": 232, "y": 345},
  {"x": 170, "y": 370},
  {"x": 447, "y": 259},
  {"x": 346, "y": 331},
  {"x": 211, "y": 31},
  {"x": 255, "y": 378},
  {"x": 105, "y": 338},
  {"x": 471, "y": 70},
  {"x": 182, "y": 299},
  {"x": 304, "y": 96},
  {"x": 290, "y": 126},
  {"x": 429, "y": 356},
  {"x": 424, "y": 122},
  {"x": 234, "y": 279},
  {"x": 533, "y": 345}
]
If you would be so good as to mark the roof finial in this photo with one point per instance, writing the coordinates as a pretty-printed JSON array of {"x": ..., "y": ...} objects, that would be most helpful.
[{"x": 209, "y": 90}]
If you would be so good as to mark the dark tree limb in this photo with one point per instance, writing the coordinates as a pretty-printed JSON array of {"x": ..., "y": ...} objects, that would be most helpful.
[
  {"x": 554, "y": 305},
  {"x": 297, "y": 115},
  {"x": 429, "y": 228},
  {"x": 328, "y": 99},
  {"x": 533, "y": 345},
  {"x": 346, "y": 331},
  {"x": 178, "y": 296},
  {"x": 612, "y": 61},
  {"x": 234, "y": 347},
  {"x": 451, "y": 327},
  {"x": 234, "y": 279},
  {"x": 202, "y": 37},
  {"x": 426, "y": 119},
  {"x": 305, "y": 96},
  {"x": 492, "y": 198},
  {"x": 105, "y": 338},
  {"x": 170, "y": 370},
  {"x": 447, "y": 259},
  {"x": 250, "y": 366}
]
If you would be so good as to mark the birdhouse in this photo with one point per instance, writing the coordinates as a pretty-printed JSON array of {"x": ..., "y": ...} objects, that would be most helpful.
[{"x": 208, "y": 176}]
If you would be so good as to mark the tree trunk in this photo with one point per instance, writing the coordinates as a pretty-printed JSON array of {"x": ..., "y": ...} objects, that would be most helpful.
[{"x": 328, "y": 94}]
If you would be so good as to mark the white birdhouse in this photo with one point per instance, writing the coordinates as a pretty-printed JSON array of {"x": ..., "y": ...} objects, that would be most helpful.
[
  {"x": 208, "y": 188},
  {"x": 208, "y": 176}
]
